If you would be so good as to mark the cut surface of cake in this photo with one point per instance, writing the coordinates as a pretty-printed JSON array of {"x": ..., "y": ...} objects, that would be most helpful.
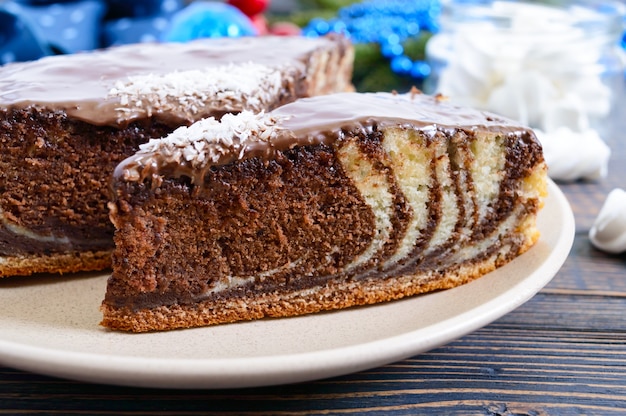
[
  {"x": 325, "y": 203},
  {"x": 67, "y": 121}
]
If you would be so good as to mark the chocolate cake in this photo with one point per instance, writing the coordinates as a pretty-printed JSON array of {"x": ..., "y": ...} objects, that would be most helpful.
[
  {"x": 67, "y": 121},
  {"x": 325, "y": 203}
]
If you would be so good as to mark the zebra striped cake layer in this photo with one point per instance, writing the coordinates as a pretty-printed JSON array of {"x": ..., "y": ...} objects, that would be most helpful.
[{"x": 312, "y": 213}]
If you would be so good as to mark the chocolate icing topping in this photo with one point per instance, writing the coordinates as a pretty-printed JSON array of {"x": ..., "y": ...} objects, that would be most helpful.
[
  {"x": 316, "y": 115},
  {"x": 52, "y": 82},
  {"x": 308, "y": 121}
]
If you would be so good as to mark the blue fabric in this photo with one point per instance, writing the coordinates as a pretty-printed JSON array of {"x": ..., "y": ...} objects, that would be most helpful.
[
  {"x": 62, "y": 27},
  {"x": 137, "y": 30},
  {"x": 17, "y": 41},
  {"x": 30, "y": 29}
]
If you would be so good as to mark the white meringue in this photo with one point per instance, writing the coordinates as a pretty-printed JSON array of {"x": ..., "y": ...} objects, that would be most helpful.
[
  {"x": 538, "y": 64},
  {"x": 609, "y": 229},
  {"x": 574, "y": 155},
  {"x": 541, "y": 69}
]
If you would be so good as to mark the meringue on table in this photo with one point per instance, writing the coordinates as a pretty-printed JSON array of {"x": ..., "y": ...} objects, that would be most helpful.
[
  {"x": 608, "y": 232},
  {"x": 573, "y": 155}
]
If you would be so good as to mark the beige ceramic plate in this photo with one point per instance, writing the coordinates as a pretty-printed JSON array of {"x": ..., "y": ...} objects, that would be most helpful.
[{"x": 50, "y": 326}]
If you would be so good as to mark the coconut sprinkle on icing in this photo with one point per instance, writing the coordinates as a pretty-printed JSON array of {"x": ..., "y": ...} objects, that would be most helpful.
[
  {"x": 230, "y": 87},
  {"x": 209, "y": 141}
]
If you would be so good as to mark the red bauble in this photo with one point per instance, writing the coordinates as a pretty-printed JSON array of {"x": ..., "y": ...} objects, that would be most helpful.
[
  {"x": 260, "y": 24},
  {"x": 285, "y": 29},
  {"x": 250, "y": 7}
]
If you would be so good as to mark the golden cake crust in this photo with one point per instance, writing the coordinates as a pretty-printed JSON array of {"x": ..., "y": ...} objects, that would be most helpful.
[{"x": 58, "y": 263}]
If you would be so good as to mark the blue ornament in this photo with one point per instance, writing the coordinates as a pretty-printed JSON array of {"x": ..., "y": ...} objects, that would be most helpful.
[
  {"x": 17, "y": 41},
  {"x": 388, "y": 23},
  {"x": 420, "y": 70},
  {"x": 392, "y": 50},
  {"x": 401, "y": 65},
  {"x": 316, "y": 27},
  {"x": 65, "y": 27},
  {"x": 207, "y": 20}
]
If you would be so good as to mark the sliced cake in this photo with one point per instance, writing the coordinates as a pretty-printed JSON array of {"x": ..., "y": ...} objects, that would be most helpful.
[
  {"x": 324, "y": 203},
  {"x": 67, "y": 121}
]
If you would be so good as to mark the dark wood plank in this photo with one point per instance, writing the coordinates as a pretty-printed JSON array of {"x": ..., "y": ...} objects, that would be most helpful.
[
  {"x": 591, "y": 271},
  {"x": 587, "y": 198}
]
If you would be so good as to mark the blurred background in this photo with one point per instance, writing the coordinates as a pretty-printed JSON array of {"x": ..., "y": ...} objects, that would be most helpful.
[{"x": 390, "y": 36}]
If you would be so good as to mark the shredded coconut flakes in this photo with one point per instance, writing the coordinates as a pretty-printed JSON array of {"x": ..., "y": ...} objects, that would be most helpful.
[
  {"x": 230, "y": 87},
  {"x": 208, "y": 140}
]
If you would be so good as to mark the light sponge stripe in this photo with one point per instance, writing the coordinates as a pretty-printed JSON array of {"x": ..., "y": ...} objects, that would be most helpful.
[
  {"x": 411, "y": 157},
  {"x": 375, "y": 190},
  {"x": 487, "y": 169},
  {"x": 448, "y": 208}
]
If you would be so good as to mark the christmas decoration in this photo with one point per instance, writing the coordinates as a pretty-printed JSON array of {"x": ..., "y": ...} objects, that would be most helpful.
[{"x": 391, "y": 30}]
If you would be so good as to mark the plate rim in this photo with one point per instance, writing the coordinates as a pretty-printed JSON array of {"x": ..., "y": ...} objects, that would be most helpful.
[{"x": 238, "y": 372}]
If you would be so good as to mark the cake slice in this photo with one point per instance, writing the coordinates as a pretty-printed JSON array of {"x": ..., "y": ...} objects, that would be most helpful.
[
  {"x": 67, "y": 121},
  {"x": 325, "y": 203}
]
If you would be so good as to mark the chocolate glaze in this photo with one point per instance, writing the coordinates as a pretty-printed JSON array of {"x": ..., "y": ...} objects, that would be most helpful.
[
  {"x": 79, "y": 84},
  {"x": 325, "y": 119},
  {"x": 311, "y": 117}
]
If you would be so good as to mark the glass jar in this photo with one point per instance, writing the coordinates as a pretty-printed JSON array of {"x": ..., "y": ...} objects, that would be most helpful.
[{"x": 548, "y": 64}]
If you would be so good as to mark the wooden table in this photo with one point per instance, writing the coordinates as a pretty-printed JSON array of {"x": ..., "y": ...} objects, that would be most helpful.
[{"x": 563, "y": 353}]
